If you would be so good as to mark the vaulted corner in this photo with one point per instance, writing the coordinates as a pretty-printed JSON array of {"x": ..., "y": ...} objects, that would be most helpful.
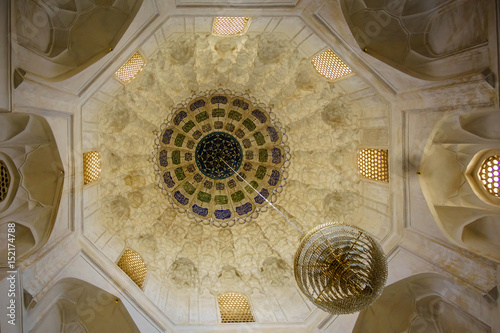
[
  {"x": 59, "y": 39},
  {"x": 73, "y": 305},
  {"x": 424, "y": 302},
  {"x": 424, "y": 42},
  {"x": 32, "y": 177},
  {"x": 161, "y": 162},
  {"x": 460, "y": 180}
]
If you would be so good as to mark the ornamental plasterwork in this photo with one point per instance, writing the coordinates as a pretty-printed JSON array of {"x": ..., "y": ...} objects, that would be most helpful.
[
  {"x": 321, "y": 123},
  {"x": 219, "y": 157}
]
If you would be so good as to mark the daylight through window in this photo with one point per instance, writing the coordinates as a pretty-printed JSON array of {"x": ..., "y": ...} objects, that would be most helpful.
[
  {"x": 235, "y": 308},
  {"x": 133, "y": 265},
  {"x": 91, "y": 167},
  {"x": 230, "y": 26},
  {"x": 490, "y": 175},
  {"x": 4, "y": 181},
  {"x": 329, "y": 65},
  {"x": 374, "y": 164},
  {"x": 131, "y": 68}
]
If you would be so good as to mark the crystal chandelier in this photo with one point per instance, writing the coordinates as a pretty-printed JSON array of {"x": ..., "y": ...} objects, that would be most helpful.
[{"x": 340, "y": 268}]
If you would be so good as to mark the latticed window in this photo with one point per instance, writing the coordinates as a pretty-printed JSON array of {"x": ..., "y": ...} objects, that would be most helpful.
[
  {"x": 374, "y": 164},
  {"x": 230, "y": 26},
  {"x": 490, "y": 175},
  {"x": 91, "y": 167},
  {"x": 133, "y": 265},
  {"x": 131, "y": 68},
  {"x": 235, "y": 308},
  {"x": 329, "y": 65},
  {"x": 4, "y": 181}
]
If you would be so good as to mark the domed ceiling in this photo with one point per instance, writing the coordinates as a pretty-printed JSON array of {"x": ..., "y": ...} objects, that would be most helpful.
[
  {"x": 321, "y": 125},
  {"x": 140, "y": 146}
]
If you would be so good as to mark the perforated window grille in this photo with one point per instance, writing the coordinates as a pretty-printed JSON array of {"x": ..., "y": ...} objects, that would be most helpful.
[
  {"x": 4, "y": 181},
  {"x": 131, "y": 68},
  {"x": 230, "y": 26},
  {"x": 329, "y": 65},
  {"x": 374, "y": 164},
  {"x": 490, "y": 175},
  {"x": 91, "y": 167},
  {"x": 133, "y": 265},
  {"x": 235, "y": 308}
]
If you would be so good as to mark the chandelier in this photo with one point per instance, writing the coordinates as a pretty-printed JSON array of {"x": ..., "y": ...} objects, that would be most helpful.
[{"x": 340, "y": 268}]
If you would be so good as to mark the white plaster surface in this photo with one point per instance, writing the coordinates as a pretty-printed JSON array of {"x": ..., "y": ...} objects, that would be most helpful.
[{"x": 323, "y": 185}]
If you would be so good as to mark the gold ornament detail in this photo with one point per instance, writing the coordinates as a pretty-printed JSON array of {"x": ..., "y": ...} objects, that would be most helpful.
[{"x": 340, "y": 268}]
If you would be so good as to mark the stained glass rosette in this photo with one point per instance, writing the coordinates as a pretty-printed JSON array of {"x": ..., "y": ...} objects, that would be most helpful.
[{"x": 204, "y": 140}]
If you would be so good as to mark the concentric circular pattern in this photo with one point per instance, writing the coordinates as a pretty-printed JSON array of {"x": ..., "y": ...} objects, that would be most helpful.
[
  {"x": 4, "y": 181},
  {"x": 340, "y": 268},
  {"x": 214, "y": 151},
  {"x": 205, "y": 135},
  {"x": 490, "y": 175}
]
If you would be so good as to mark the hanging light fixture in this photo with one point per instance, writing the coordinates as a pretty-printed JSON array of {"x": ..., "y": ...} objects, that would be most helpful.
[{"x": 340, "y": 268}]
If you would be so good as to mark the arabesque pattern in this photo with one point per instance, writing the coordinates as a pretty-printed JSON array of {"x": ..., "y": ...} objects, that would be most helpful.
[{"x": 204, "y": 142}]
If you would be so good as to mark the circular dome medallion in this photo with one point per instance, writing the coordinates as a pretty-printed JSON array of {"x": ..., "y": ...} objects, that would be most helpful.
[
  {"x": 215, "y": 150},
  {"x": 200, "y": 137}
]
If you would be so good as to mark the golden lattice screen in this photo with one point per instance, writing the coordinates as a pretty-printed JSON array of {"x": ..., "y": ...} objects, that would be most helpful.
[
  {"x": 4, "y": 181},
  {"x": 230, "y": 26},
  {"x": 133, "y": 265},
  {"x": 131, "y": 68},
  {"x": 490, "y": 175},
  {"x": 91, "y": 167},
  {"x": 329, "y": 65},
  {"x": 374, "y": 164},
  {"x": 235, "y": 308}
]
